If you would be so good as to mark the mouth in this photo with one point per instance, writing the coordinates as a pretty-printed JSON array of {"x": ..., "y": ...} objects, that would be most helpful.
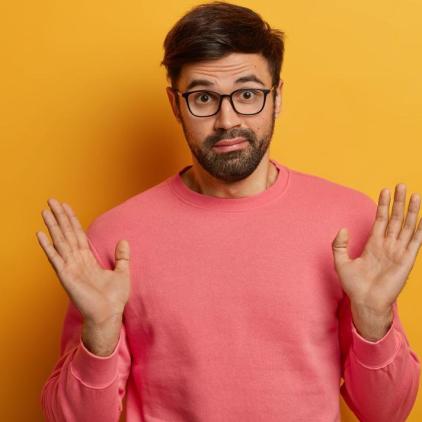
[
  {"x": 232, "y": 141},
  {"x": 234, "y": 144}
]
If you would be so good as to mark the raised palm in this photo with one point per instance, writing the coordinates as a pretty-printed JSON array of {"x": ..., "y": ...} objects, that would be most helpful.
[
  {"x": 99, "y": 294},
  {"x": 376, "y": 278}
]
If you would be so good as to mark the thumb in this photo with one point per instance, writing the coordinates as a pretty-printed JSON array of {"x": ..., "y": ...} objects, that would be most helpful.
[
  {"x": 339, "y": 246},
  {"x": 122, "y": 254}
]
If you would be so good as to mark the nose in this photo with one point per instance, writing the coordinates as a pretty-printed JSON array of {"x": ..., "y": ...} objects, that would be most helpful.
[{"x": 226, "y": 117}]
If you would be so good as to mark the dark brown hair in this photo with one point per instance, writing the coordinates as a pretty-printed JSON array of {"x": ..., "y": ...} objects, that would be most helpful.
[{"x": 212, "y": 30}]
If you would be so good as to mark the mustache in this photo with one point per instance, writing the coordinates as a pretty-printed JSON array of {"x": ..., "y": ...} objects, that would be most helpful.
[{"x": 247, "y": 134}]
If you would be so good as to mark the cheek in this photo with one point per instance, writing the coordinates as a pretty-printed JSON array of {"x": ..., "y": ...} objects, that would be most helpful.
[
  {"x": 196, "y": 129},
  {"x": 267, "y": 120},
  {"x": 259, "y": 124}
]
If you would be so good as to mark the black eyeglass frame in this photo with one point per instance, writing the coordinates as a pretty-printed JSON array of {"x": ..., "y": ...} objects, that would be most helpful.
[{"x": 186, "y": 94}]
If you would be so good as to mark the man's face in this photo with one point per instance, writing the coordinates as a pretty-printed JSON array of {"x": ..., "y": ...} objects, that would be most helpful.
[{"x": 234, "y": 71}]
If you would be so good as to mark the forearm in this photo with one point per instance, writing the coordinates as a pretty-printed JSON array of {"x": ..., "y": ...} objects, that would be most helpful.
[
  {"x": 84, "y": 386},
  {"x": 381, "y": 377},
  {"x": 369, "y": 324},
  {"x": 101, "y": 339}
]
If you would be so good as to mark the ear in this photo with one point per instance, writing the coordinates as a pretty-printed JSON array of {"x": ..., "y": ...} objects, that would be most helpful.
[
  {"x": 278, "y": 97},
  {"x": 172, "y": 96}
]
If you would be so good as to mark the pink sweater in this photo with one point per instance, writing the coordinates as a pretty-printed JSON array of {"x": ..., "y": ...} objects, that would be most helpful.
[{"x": 236, "y": 314}]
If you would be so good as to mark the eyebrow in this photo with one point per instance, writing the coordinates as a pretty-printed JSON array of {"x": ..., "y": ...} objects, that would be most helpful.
[{"x": 205, "y": 82}]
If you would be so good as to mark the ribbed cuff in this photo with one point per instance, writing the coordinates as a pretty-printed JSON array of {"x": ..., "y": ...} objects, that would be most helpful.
[
  {"x": 379, "y": 353},
  {"x": 92, "y": 370}
]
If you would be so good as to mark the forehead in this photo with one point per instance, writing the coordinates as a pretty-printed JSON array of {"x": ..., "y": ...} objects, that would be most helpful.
[{"x": 226, "y": 70}]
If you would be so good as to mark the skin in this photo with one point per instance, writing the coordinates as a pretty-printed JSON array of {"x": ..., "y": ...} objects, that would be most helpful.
[
  {"x": 99, "y": 294},
  {"x": 237, "y": 173},
  {"x": 372, "y": 281}
]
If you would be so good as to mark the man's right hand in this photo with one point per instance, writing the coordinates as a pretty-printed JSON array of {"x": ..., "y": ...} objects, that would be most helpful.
[{"x": 99, "y": 294}]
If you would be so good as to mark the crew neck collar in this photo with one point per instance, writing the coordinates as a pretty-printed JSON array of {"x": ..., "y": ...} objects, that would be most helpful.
[{"x": 245, "y": 203}]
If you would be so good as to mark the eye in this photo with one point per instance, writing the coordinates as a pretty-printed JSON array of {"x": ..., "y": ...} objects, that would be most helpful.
[
  {"x": 248, "y": 95},
  {"x": 204, "y": 97}
]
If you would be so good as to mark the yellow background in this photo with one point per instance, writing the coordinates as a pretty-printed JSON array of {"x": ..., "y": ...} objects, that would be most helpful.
[{"x": 85, "y": 119}]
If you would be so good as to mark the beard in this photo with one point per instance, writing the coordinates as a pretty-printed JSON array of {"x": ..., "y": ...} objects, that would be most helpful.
[{"x": 231, "y": 166}]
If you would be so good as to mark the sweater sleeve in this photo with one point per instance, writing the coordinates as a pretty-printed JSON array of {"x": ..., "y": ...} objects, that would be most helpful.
[
  {"x": 381, "y": 378},
  {"x": 83, "y": 386}
]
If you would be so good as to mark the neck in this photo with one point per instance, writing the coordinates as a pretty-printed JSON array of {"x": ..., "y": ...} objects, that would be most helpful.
[{"x": 197, "y": 179}]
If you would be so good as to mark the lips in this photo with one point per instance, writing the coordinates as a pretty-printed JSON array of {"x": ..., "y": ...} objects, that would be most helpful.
[{"x": 232, "y": 141}]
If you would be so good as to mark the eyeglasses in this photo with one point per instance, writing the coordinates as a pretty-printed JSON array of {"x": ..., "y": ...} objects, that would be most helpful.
[{"x": 204, "y": 103}]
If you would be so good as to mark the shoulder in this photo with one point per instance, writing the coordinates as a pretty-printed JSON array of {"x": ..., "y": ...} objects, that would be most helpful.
[
  {"x": 332, "y": 205},
  {"x": 129, "y": 213},
  {"x": 330, "y": 194}
]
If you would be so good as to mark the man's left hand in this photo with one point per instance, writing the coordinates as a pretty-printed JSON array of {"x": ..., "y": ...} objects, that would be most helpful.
[{"x": 374, "y": 280}]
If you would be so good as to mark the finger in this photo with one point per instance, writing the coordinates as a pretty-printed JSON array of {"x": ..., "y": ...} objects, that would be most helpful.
[
  {"x": 416, "y": 241},
  {"x": 55, "y": 259},
  {"x": 411, "y": 218},
  {"x": 381, "y": 218},
  {"x": 122, "y": 255},
  {"x": 396, "y": 219},
  {"x": 64, "y": 223},
  {"x": 59, "y": 242},
  {"x": 77, "y": 227}
]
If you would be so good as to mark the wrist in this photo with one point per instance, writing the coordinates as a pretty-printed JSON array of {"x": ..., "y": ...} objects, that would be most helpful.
[
  {"x": 369, "y": 324},
  {"x": 101, "y": 338}
]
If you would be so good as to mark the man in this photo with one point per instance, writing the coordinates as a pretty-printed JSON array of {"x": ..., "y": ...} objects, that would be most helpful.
[{"x": 230, "y": 291}]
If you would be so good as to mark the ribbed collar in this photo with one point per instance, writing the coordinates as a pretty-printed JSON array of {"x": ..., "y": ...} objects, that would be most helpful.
[{"x": 246, "y": 203}]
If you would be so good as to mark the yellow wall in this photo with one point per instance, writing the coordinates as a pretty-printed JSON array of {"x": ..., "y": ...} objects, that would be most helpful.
[{"x": 84, "y": 118}]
